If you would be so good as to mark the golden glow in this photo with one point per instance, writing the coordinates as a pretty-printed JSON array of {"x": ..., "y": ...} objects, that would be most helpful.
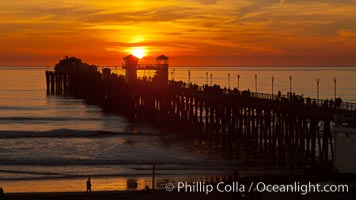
[
  {"x": 139, "y": 52},
  {"x": 191, "y": 32},
  {"x": 74, "y": 185}
]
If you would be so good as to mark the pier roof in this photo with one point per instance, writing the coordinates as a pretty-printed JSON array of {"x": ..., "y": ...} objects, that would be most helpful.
[{"x": 162, "y": 57}]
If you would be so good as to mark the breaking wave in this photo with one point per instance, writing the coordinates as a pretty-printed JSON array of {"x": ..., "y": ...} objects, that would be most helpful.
[{"x": 66, "y": 133}]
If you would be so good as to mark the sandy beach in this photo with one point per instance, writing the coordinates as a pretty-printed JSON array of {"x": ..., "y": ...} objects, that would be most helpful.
[
  {"x": 163, "y": 195},
  {"x": 158, "y": 195},
  {"x": 119, "y": 188}
]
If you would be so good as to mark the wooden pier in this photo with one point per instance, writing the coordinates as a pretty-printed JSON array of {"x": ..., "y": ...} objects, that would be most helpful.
[{"x": 284, "y": 131}]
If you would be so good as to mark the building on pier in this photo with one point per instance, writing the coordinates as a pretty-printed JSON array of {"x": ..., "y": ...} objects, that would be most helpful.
[
  {"x": 130, "y": 64},
  {"x": 162, "y": 69}
]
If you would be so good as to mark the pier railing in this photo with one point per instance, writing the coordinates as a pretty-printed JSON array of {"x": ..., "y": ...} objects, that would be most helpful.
[{"x": 332, "y": 103}]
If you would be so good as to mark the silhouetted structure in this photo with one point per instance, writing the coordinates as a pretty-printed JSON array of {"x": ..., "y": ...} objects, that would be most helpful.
[
  {"x": 277, "y": 130},
  {"x": 162, "y": 69},
  {"x": 130, "y": 64},
  {"x": 72, "y": 65}
]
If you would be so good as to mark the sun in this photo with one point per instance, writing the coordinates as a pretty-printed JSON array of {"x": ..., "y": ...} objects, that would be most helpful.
[{"x": 138, "y": 52}]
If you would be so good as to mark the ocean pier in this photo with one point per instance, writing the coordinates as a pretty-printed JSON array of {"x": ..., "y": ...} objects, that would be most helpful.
[{"x": 277, "y": 130}]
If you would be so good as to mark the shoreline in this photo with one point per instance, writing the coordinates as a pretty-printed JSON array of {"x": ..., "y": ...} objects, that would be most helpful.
[
  {"x": 107, "y": 183},
  {"x": 137, "y": 184}
]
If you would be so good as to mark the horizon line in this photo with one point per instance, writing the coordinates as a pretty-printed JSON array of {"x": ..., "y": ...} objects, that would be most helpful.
[{"x": 171, "y": 66}]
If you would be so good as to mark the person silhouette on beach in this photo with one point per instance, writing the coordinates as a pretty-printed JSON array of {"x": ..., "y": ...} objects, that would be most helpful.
[{"x": 88, "y": 185}]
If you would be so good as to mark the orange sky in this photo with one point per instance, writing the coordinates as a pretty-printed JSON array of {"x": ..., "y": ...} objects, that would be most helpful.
[{"x": 190, "y": 32}]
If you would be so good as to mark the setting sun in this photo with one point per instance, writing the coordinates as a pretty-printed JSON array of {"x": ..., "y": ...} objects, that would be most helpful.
[{"x": 139, "y": 52}]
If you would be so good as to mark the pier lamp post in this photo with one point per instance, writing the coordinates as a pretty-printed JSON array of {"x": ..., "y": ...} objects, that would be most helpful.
[
  {"x": 173, "y": 73},
  {"x": 207, "y": 78},
  {"x": 238, "y": 81},
  {"x": 228, "y": 78},
  {"x": 172, "y": 76},
  {"x": 317, "y": 88},
  {"x": 290, "y": 85},
  {"x": 272, "y": 78},
  {"x": 189, "y": 74},
  {"x": 256, "y": 82},
  {"x": 335, "y": 87},
  {"x": 211, "y": 79}
]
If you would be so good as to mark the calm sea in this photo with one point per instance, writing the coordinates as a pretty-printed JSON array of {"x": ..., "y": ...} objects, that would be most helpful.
[{"x": 50, "y": 143}]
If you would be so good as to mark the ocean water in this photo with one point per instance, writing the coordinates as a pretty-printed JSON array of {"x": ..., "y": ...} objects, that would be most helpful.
[
  {"x": 52, "y": 143},
  {"x": 45, "y": 140}
]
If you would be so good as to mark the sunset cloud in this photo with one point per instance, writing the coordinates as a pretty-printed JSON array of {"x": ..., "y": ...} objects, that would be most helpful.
[{"x": 237, "y": 32}]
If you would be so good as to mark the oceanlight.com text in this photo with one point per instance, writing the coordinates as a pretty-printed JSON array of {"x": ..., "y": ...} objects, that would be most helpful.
[{"x": 296, "y": 187}]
